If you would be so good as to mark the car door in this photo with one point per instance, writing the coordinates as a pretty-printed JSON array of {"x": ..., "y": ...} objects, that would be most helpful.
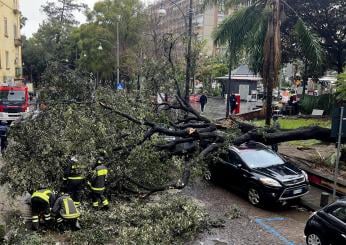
[
  {"x": 233, "y": 170},
  {"x": 337, "y": 217}
]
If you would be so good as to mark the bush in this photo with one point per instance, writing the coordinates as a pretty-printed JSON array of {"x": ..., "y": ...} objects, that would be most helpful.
[{"x": 324, "y": 102}]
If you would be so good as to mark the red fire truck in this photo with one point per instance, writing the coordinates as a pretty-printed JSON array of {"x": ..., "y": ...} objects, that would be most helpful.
[{"x": 14, "y": 101}]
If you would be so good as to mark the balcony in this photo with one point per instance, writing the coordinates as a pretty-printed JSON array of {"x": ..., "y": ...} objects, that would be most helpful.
[
  {"x": 16, "y": 10},
  {"x": 19, "y": 71},
  {"x": 18, "y": 42}
]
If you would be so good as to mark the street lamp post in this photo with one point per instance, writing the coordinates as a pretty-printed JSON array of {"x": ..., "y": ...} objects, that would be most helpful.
[
  {"x": 118, "y": 44},
  {"x": 188, "y": 27}
]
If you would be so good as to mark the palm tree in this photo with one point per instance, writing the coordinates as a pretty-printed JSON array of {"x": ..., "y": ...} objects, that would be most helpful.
[{"x": 257, "y": 30}]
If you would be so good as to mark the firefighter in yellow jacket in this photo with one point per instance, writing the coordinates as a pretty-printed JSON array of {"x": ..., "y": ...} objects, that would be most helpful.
[
  {"x": 41, "y": 202},
  {"x": 66, "y": 212},
  {"x": 74, "y": 180},
  {"x": 97, "y": 184}
]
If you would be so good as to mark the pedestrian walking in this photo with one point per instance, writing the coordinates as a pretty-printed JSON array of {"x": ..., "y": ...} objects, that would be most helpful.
[
  {"x": 66, "y": 213},
  {"x": 203, "y": 101},
  {"x": 233, "y": 102},
  {"x": 42, "y": 201},
  {"x": 3, "y": 135},
  {"x": 276, "y": 126},
  {"x": 74, "y": 181}
]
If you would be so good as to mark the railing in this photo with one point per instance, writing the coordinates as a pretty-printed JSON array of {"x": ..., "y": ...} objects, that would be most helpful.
[{"x": 18, "y": 41}]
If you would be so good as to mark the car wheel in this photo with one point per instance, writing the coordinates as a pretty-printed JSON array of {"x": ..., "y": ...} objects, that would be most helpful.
[
  {"x": 314, "y": 239},
  {"x": 254, "y": 196}
]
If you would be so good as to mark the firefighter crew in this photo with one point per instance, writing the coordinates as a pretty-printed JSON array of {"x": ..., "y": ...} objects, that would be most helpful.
[
  {"x": 74, "y": 180},
  {"x": 41, "y": 203},
  {"x": 97, "y": 184},
  {"x": 66, "y": 212}
]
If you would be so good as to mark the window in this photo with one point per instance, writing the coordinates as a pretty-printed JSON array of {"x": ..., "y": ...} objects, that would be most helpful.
[
  {"x": 340, "y": 213},
  {"x": 7, "y": 60},
  {"x": 5, "y": 27},
  {"x": 15, "y": 31},
  {"x": 260, "y": 158},
  {"x": 234, "y": 159},
  {"x": 16, "y": 61}
]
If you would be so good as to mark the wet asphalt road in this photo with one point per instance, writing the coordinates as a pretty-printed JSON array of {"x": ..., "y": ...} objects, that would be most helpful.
[{"x": 280, "y": 225}]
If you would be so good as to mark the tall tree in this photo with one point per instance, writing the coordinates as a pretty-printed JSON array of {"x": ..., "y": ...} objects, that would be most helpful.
[
  {"x": 327, "y": 20},
  {"x": 260, "y": 24},
  {"x": 62, "y": 11},
  {"x": 101, "y": 31}
]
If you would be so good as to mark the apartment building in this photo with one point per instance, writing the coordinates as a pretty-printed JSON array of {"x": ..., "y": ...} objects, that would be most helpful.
[
  {"x": 204, "y": 20},
  {"x": 10, "y": 41},
  {"x": 176, "y": 16}
]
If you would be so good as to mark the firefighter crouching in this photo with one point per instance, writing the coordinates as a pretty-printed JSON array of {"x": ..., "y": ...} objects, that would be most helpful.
[
  {"x": 97, "y": 184},
  {"x": 74, "y": 180},
  {"x": 41, "y": 202},
  {"x": 66, "y": 213}
]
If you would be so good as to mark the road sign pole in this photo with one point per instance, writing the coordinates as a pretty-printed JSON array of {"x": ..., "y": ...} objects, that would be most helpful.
[{"x": 338, "y": 152}]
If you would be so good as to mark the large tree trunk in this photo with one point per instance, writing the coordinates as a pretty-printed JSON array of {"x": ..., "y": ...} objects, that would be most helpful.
[
  {"x": 272, "y": 56},
  {"x": 270, "y": 138}
]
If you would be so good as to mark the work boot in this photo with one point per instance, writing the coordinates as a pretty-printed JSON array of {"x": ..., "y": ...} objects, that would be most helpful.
[
  {"x": 35, "y": 226},
  {"x": 77, "y": 225}
]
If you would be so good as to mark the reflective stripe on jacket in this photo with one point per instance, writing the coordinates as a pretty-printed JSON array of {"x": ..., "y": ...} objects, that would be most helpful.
[
  {"x": 43, "y": 194},
  {"x": 99, "y": 178},
  {"x": 66, "y": 207}
]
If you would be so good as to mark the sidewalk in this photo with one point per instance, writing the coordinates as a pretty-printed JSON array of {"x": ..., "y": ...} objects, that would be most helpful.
[
  {"x": 216, "y": 107},
  {"x": 313, "y": 198}
]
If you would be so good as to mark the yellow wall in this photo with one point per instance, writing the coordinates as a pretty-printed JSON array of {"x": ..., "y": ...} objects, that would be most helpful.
[{"x": 9, "y": 9}]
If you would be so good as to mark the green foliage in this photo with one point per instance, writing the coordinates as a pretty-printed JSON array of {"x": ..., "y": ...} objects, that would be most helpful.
[
  {"x": 166, "y": 219},
  {"x": 310, "y": 45},
  {"x": 17, "y": 232},
  {"x": 61, "y": 83},
  {"x": 341, "y": 87},
  {"x": 172, "y": 219},
  {"x": 294, "y": 123},
  {"x": 83, "y": 129},
  {"x": 324, "y": 102},
  {"x": 234, "y": 212}
]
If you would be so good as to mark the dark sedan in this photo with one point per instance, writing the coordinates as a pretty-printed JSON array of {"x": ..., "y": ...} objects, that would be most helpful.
[
  {"x": 261, "y": 173},
  {"x": 328, "y": 225}
]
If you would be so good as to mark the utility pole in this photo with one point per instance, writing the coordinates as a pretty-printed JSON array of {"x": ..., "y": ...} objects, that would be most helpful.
[
  {"x": 118, "y": 71},
  {"x": 188, "y": 56},
  {"x": 229, "y": 79},
  {"x": 338, "y": 152}
]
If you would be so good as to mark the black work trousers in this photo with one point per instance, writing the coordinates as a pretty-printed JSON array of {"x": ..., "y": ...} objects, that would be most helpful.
[
  {"x": 75, "y": 188},
  {"x": 39, "y": 207}
]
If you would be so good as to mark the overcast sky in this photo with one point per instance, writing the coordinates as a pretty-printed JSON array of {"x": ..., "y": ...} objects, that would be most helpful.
[{"x": 31, "y": 9}]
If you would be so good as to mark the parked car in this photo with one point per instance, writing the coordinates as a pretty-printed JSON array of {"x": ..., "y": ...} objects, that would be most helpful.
[
  {"x": 259, "y": 172},
  {"x": 328, "y": 225}
]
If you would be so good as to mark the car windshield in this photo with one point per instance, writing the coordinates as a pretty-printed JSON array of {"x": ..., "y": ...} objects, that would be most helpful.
[
  {"x": 260, "y": 158},
  {"x": 12, "y": 96}
]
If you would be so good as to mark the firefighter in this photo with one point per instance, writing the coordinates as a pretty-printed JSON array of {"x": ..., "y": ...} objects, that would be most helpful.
[
  {"x": 66, "y": 212},
  {"x": 74, "y": 180},
  {"x": 97, "y": 184},
  {"x": 41, "y": 203}
]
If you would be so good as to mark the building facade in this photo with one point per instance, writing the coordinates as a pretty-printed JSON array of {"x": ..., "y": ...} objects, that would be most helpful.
[
  {"x": 176, "y": 20},
  {"x": 10, "y": 41},
  {"x": 204, "y": 20}
]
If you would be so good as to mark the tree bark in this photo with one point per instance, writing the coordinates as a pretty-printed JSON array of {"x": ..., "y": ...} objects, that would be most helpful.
[{"x": 270, "y": 138}]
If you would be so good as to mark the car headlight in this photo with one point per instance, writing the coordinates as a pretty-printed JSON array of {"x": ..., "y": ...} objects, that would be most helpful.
[
  {"x": 270, "y": 182},
  {"x": 305, "y": 175}
]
